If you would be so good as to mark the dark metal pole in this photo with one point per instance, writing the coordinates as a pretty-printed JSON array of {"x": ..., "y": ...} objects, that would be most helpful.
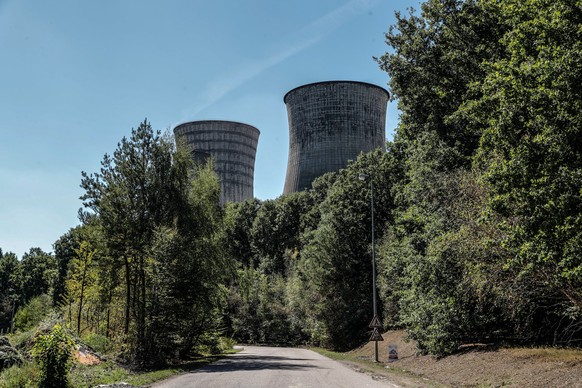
[
  {"x": 373, "y": 264},
  {"x": 375, "y": 321}
]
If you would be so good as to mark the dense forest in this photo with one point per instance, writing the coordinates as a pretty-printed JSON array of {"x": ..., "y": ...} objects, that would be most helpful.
[{"x": 477, "y": 208}]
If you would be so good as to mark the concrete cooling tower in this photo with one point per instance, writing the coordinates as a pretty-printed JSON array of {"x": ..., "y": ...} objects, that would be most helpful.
[
  {"x": 330, "y": 123},
  {"x": 233, "y": 147}
]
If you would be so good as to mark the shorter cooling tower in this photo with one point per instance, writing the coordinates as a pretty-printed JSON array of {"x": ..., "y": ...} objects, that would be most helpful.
[
  {"x": 233, "y": 147},
  {"x": 331, "y": 123}
]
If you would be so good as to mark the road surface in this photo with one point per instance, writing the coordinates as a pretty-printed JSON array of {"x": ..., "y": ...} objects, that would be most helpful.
[{"x": 274, "y": 367}]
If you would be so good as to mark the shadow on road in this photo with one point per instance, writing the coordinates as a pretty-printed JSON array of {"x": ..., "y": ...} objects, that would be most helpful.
[{"x": 251, "y": 362}]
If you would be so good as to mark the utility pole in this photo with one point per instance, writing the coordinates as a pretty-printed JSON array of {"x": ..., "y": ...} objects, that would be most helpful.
[{"x": 375, "y": 325}]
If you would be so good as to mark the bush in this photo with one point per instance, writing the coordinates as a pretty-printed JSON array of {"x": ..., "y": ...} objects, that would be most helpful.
[
  {"x": 25, "y": 376},
  {"x": 9, "y": 356},
  {"x": 99, "y": 343},
  {"x": 225, "y": 344},
  {"x": 33, "y": 313},
  {"x": 52, "y": 352}
]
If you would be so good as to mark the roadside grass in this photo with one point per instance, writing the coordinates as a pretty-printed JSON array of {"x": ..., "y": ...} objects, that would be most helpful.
[
  {"x": 82, "y": 376},
  {"x": 110, "y": 373},
  {"x": 366, "y": 365},
  {"x": 549, "y": 354}
]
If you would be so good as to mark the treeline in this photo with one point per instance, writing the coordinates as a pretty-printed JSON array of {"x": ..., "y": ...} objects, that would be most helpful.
[
  {"x": 477, "y": 208},
  {"x": 478, "y": 199},
  {"x": 144, "y": 273}
]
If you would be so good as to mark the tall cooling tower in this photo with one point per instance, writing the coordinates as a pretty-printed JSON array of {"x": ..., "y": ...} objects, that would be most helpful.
[
  {"x": 233, "y": 147},
  {"x": 330, "y": 123}
]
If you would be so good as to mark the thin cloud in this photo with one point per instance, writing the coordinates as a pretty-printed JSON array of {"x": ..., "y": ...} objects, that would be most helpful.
[{"x": 308, "y": 36}]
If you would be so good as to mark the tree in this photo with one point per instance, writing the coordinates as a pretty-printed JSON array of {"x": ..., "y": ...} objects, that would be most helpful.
[
  {"x": 82, "y": 275},
  {"x": 52, "y": 352},
  {"x": 159, "y": 220},
  {"x": 238, "y": 222},
  {"x": 37, "y": 273},
  {"x": 531, "y": 153},
  {"x": 64, "y": 249},
  {"x": 436, "y": 57},
  {"x": 336, "y": 259},
  {"x": 132, "y": 195},
  {"x": 9, "y": 287},
  {"x": 276, "y": 230},
  {"x": 489, "y": 145},
  {"x": 188, "y": 270}
]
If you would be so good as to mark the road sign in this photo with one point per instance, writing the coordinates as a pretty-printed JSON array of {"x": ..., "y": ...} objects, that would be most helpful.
[
  {"x": 376, "y": 336},
  {"x": 375, "y": 323},
  {"x": 392, "y": 353}
]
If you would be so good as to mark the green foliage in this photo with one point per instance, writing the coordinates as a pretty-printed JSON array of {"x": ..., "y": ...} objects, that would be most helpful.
[
  {"x": 188, "y": 269},
  {"x": 37, "y": 273},
  {"x": 98, "y": 343},
  {"x": 152, "y": 248},
  {"x": 81, "y": 277},
  {"x": 24, "y": 376},
  {"x": 52, "y": 352},
  {"x": 9, "y": 288},
  {"x": 336, "y": 260},
  {"x": 531, "y": 148},
  {"x": 93, "y": 375},
  {"x": 238, "y": 222},
  {"x": 64, "y": 248},
  {"x": 259, "y": 311},
  {"x": 9, "y": 356},
  {"x": 276, "y": 230},
  {"x": 32, "y": 313},
  {"x": 484, "y": 254}
]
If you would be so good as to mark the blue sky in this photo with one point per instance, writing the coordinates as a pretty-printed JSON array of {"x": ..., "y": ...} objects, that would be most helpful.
[{"x": 76, "y": 76}]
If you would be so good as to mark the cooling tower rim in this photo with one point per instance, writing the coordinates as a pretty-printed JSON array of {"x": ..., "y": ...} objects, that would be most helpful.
[
  {"x": 215, "y": 121},
  {"x": 334, "y": 82}
]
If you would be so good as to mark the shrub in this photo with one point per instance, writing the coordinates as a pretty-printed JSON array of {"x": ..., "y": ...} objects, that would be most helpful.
[
  {"x": 98, "y": 343},
  {"x": 33, "y": 313},
  {"x": 9, "y": 356},
  {"x": 25, "y": 376},
  {"x": 52, "y": 352},
  {"x": 225, "y": 344}
]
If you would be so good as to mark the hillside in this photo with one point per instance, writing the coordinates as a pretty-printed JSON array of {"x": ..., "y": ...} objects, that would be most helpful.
[{"x": 480, "y": 365}]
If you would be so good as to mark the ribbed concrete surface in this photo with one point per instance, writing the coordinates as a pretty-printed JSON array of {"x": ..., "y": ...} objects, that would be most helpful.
[
  {"x": 331, "y": 123},
  {"x": 232, "y": 145}
]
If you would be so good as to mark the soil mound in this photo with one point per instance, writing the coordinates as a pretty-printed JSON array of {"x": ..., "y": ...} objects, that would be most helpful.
[{"x": 481, "y": 364}]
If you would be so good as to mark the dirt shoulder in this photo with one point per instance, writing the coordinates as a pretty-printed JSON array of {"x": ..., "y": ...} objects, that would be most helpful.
[{"x": 476, "y": 365}]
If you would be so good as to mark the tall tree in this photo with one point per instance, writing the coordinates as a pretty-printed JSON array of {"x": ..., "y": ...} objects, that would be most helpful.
[
  {"x": 38, "y": 273},
  {"x": 336, "y": 260},
  {"x": 531, "y": 112},
  {"x": 64, "y": 249},
  {"x": 9, "y": 287},
  {"x": 160, "y": 220},
  {"x": 82, "y": 275},
  {"x": 437, "y": 58},
  {"x": 134, "y": 194}
]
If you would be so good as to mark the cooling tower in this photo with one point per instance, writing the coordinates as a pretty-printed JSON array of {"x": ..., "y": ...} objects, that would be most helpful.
[
  {"x": 330, "y": 123},
  {"x": 233, "y": 147}
]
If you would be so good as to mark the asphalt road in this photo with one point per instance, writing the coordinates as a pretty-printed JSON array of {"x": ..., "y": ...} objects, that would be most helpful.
[{"x": 258, "y": 367}]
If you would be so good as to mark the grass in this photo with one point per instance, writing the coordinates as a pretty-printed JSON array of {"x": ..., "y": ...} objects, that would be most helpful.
[
  {"x": 401, "y": 376},
  {"x": 110, "y": 373},
  {"x": 24, "y": 376},
  {"x": 549, "y": 354},
  {"x": 105, "y": 373}
]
